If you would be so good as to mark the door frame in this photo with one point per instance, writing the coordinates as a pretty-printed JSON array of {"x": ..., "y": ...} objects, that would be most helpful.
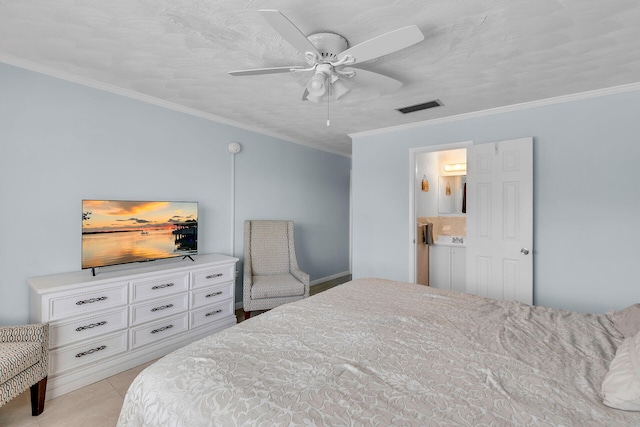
[{"x": 413, "y": 169}]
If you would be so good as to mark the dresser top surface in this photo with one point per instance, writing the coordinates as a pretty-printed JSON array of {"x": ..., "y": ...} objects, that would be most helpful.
[{"x": 44, "y": 284}]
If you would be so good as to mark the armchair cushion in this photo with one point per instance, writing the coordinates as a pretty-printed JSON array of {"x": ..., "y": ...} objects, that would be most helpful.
[
  {"x": 276, "y": 286},
  {"x": 16, "y": 357},
  {"x": 269, "y": 247}
]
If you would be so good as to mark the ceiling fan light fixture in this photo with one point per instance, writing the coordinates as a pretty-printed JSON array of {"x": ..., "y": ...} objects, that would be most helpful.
[
  {"x": 313, "y": 98},
  {"x": 339, "y": 89},
  {"x": 317, "y": 85}
]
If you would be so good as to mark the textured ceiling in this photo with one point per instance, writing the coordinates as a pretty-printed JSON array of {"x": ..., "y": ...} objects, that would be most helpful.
[{"x": 476, "y": 55}]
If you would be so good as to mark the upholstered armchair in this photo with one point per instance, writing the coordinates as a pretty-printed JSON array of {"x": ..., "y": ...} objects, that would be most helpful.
[
  {"x": 271, "y": 273},
  {"x": 24, "y": 363}
]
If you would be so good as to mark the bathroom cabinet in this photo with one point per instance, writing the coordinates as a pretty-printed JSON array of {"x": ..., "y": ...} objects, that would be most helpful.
[{"x": 448, "y": 267}]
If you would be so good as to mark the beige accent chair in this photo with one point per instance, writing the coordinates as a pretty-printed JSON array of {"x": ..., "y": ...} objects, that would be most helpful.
[
  {"x": 24, "y": 363},
  {"x": 271, "y": 273}
]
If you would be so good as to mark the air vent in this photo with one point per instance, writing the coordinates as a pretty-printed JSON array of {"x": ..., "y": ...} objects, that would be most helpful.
[{"x": 418, "y": 107}]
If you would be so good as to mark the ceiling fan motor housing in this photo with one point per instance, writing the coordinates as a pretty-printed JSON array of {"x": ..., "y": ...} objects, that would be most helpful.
[{"x": 329, "y": 45}]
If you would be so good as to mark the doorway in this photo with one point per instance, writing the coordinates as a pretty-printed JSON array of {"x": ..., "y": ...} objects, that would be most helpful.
[
  {"x": 426, "y": 166},
  {"x": 499, "y": 239}
]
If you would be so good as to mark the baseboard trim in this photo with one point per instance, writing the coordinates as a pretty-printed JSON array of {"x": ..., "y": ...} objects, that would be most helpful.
[{"x": 326, "y": 279}]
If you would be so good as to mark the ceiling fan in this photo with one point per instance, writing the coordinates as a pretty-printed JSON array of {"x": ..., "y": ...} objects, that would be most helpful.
[{"x": 330, "y": 58}]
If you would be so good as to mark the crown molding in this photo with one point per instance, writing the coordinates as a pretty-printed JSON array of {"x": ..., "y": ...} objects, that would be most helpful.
[
  {"x": 506, "y": 109},
  {"x": 105, "y": 87},
  {"x": 62, "y": 75}
]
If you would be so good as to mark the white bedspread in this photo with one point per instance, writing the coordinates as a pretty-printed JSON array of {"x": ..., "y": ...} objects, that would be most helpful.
[{"x": 376, "y": 352}]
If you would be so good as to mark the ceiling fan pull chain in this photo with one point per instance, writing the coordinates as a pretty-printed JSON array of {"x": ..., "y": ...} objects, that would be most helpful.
[{"x": 328, "y": 100}]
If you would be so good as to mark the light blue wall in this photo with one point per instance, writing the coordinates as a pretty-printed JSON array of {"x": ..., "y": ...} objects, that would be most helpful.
[
  {"x": 61, "y": 142},
  {"x": 586, "y": 197}
]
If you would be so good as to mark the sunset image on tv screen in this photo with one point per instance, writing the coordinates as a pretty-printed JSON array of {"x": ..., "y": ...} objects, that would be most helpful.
[{"x": 118, "y": 231}]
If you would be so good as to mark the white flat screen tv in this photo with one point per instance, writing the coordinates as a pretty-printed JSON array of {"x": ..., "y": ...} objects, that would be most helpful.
[{"x": 127, "y": 231}]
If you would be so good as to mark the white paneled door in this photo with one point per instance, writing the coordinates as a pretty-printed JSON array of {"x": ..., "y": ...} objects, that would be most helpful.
[{"x": 500, "y": 220}]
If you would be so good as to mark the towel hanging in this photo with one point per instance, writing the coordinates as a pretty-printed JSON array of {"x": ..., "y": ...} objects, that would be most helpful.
[
  {"x": 464, "y": 198},
  {"x": 427, "y": 233}
]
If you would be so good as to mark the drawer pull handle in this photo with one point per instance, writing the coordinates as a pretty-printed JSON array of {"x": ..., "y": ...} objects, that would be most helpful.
[
  {"x": 215, "y": 294},
  {"x": 164, "y": 328},
  {"x": 162, "y": 307},
  {"x": 89, "y": 301},
  {"x": 92, "y": 325},
  {"x": 166, "y": 285},
  {"x": 213, "y": 276},
  {"x": 212, "y": 313},
  {"x": 93, "y": 350}
]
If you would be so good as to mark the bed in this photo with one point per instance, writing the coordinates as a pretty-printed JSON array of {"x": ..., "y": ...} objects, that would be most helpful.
[{"x": 379, "y": 352}]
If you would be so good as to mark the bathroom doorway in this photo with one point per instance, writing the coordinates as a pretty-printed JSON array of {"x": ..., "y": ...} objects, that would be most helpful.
[
  {"x": 497, "y": 258},
  {"x": 443, "y": 212}
]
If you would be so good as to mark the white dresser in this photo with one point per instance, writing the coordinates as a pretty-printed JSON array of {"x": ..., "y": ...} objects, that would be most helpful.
[{"x": 104, "y": 324}]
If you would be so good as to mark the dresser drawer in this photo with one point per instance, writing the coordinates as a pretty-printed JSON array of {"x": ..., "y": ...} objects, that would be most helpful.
[
  {"x": 213, "y": 276},
  {"x": 74, "y": 356},
  {"x": 211, "y": 295},
  {"x": 63, "y": 333},
  {"x": 158, "y": 287},
  {"x": 159, "y": 330},
  {"x": 145, "y": 312},
  {"x": 211, "y": 314},
  {"x": 87, "y": 302}
]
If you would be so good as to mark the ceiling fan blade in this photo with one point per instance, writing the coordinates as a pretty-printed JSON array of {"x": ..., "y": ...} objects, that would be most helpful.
[
  {"x": 288, "y": 31},
  {"x": 272, "y": 70},
  {"x": 385, "y": 44},
  {"x": 375, "y": 80}
]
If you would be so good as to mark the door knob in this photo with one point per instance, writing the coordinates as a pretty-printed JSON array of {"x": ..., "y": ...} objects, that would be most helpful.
[{"x": 524, "y": 251}]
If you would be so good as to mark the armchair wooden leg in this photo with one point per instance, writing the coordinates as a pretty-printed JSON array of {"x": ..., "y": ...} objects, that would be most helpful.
[
  {"x": 247, "y": 314},
  {"x": 38, "y": 392}
]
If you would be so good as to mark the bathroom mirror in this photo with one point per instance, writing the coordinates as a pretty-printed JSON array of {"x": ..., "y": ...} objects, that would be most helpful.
[{"x": 451, "y": 194}]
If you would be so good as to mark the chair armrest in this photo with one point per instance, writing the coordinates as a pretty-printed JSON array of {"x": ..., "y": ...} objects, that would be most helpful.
[
  {"x": 38, "y": 332},
  {"x": 303, "y": 277},
  {"x": 247, "y": 282},
  {"x": 247, "y": 272},
  {"x": 300, "y": 275}
]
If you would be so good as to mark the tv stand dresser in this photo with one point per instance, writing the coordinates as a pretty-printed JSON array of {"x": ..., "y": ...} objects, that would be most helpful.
[{"x": 105, "y": 324}]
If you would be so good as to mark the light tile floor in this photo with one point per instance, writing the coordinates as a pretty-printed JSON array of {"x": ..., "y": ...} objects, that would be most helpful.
[{"x": 96, "y": 405}]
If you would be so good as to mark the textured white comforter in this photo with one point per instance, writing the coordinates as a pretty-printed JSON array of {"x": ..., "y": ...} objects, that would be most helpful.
[{"x": 376, "y": 352}]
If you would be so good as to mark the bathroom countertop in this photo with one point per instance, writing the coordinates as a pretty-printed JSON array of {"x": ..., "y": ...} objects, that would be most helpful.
[{"x": 458, "y": 241}]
